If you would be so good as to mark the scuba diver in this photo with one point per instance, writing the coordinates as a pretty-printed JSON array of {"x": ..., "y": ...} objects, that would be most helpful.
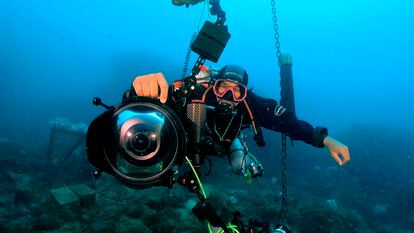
[
  {"x": 144, "y": 140},
  {"x": 230, "y": 108},
  {"x": 233, "y": 107}
]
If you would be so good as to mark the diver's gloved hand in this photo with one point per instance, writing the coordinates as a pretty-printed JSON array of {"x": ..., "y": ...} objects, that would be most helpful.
[
  {"x": 337, "y": 149},
  {"x": 149, "y": 85}
]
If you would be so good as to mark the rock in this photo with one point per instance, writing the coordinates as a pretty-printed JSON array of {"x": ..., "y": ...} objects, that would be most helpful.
[
  {"x": 232, "y": 200},
  {"x": 7, "y": 200},
  {"x": 102, "y": 225},
  {"x": 74, "y": 195},
  {"x": 85, "y": 193},
  {"x": 71, "y": 227},
  {"x": 20, "y": 212},
  {"x": 22, "y": 182},
  {"x": 126, "y": 225},
  {"x": 155, "y": 204},
  {"x": 146, "y": 212},
  {"x": 65, "y": 197},
  {"x": 64, "y": 125},
  {"x": 46, "y": 223},
  {"x": 332, "y": 204},
  {"x": 380, "y": 209}
]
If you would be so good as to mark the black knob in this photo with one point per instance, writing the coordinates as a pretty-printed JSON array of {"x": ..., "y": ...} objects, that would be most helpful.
[{"x": 97, "y": 101}]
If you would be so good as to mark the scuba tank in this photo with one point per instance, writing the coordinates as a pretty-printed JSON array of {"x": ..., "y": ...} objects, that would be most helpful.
[{"x": 242, "y": 162}]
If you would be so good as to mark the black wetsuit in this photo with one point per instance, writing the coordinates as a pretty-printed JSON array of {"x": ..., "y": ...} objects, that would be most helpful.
[
  {"x": 270, "y": 115},
  {"x": 267, "y": 113}
]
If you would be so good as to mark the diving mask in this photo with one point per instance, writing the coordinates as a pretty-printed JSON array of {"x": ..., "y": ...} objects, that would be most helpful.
[{"x": 230, "y": 90}]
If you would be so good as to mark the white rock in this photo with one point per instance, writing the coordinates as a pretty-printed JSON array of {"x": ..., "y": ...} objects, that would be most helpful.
[{"x": 332, "y": 204}]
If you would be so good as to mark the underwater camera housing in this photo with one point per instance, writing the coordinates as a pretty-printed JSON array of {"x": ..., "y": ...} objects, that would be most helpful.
[
  {"x": 211, "y": 41},
  {"x": 141, "y": 142}
]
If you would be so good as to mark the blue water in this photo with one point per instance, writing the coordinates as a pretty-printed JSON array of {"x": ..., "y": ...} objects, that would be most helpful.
[{"x": 352, "y": 60}]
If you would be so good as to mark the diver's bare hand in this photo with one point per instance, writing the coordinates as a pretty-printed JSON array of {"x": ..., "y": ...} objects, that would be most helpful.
[
  {"x": 336, "y": 148},
  {"x": 148, "y": 85}
]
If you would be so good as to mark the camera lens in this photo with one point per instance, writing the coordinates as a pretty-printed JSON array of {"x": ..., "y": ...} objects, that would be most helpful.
[{"x": 140, "y": 142}]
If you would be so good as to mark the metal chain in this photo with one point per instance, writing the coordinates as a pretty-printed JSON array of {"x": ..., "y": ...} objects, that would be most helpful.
[
  {"x": 187, "y": 56},
  {"x": 283, "y": 208},
  {"x": 276, "y": 33}
]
